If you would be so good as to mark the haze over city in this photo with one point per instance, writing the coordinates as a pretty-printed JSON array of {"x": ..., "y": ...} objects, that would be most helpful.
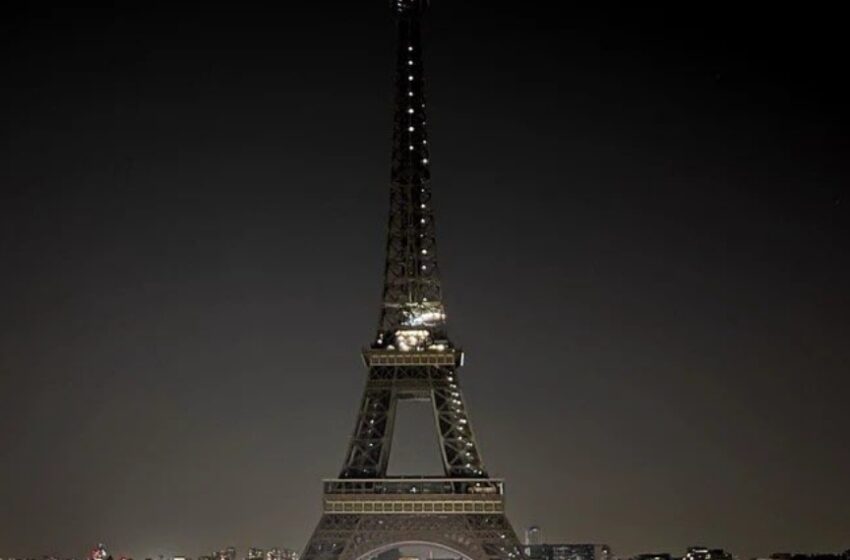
[{"x": 643, "y": 240}]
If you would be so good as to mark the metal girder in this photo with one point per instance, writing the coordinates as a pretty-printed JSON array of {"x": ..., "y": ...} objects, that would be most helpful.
[
  {"x": 368, "y": 453},
  {"x": 411, "y": 274},
  {"x": 351, "y": 537},
  {"x": 364, "y": 510}
]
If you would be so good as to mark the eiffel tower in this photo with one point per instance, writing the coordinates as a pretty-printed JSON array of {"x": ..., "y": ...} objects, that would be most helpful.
[{"x": 365, "y": 511}]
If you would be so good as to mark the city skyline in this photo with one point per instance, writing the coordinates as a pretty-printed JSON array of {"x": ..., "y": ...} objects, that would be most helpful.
[
  {"x": 644, "y": 241},
  {"x": 538, "y": 551}
]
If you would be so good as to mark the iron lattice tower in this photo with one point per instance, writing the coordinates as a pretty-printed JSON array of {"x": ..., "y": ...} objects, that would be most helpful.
[{"x": 365, "y": 510}]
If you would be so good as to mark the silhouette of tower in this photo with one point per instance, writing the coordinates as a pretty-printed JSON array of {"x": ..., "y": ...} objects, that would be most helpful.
[{"x": 365, "y": 512}]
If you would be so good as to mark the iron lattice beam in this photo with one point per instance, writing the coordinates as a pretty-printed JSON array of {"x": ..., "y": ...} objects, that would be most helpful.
[
  {"x": 364, "y": 510},
  {"x": 412, "y": 284},
  {"x": 369, "y": 450}
]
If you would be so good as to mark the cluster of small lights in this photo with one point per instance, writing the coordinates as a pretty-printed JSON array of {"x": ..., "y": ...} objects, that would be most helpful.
[
  {"x": 410, "y": 110},
  {"x": 371, "y": 428},
  {"x": 456, "y": 406},
  {"x": 412, "y": 339}
]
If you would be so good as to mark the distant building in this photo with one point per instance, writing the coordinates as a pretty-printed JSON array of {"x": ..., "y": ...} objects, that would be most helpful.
[
  {"x": 568, "y": 551},
  {"x": 704, "y": 553},
  {"x": 256, "y": 554},
  {"x": 281, "y": 554},
  {"x": 98, "y": 553},
  {"x": 228, "y": 553},
  {"x": 798, "y": 556},
  {"x": 653, "y": 556},
  {"x": 533, "y": 536}
]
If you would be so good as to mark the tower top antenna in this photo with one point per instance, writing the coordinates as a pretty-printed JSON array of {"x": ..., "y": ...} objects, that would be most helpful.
[{"x": 408, "y": 7}]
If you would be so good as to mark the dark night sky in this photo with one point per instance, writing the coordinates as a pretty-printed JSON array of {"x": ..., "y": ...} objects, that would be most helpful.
[{"x": 645, "y": 240}]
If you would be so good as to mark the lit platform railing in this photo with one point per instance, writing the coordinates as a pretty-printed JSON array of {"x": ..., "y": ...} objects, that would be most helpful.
[
  {"x": 486, "y": 486},
  {"x": 373, "y": 357},
  {"x": 384, "y": 496}
]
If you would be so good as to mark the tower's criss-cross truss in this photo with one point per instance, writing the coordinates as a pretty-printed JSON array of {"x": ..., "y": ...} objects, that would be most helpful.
[{"x": 364, "y": 510}]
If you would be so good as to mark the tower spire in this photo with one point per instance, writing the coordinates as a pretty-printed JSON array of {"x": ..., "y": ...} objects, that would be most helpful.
[{"x": 412, "y": 312}]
